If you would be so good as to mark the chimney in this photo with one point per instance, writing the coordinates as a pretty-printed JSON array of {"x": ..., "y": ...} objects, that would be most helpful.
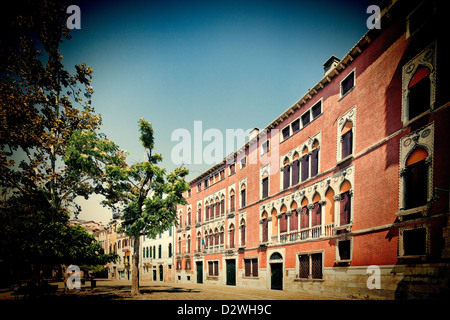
[{"x": 332, "y": 62}]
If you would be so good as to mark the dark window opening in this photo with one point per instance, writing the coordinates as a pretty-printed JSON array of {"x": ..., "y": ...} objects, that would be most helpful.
[
  {"x": 344, "y": 247},
  {"x": 414, "y": 242},
  {"x": 416, "y": 185},
  {"x": 419, "y": 93},
  {"x": 316, "y": 110},
  {"x": 347, "y": 84}
]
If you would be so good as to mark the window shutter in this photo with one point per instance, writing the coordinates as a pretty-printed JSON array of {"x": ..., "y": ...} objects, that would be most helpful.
[
  {"x": 304, "y": 218},
  {"x": 232, "y": 238},
  {"x": 286, "y": 176},
  {"x": 265, "y": 231},
  {"x": 247, "y": 267},
  {"x": 347, "y": 144},
  {"x": 294, "y": 221},
  {"x": 315, "y": 162},
  {"x": 345, "y": 208},
  {"x": 283, "y": 223},
  {"x": 255, "y": 267},
  {"x": 295, "y": 172},
  {"x": 265, "y": 187},
  {"x": 305, "y": 167},
  {"x": 316, "y": 215}
]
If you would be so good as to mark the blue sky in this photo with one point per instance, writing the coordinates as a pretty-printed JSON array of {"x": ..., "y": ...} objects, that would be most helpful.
[{"x": 230, "y": 64}]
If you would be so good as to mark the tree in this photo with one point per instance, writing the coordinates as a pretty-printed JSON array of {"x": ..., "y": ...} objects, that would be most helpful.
[
  {"x": 44, "y": 111},
  {"x": 150, "y": 199}
]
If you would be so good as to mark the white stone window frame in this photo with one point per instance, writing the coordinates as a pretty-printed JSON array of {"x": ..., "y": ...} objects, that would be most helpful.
[
  {"x": 422, "y": 138},
  {"x": 350, "y": 115},
  {"x": 337, "y": 256},
  {"x": 401, "y": 249},
  {"x": 426, "y": 58}
]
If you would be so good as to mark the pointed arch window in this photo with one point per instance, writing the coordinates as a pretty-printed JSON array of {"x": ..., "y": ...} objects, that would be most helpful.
[
  {"x": 232, "y": 201},
  {"x": 305, "y": 164},
  {"x": 265, "y": 185},
  {"x": 345, "y": 203},
  {"x": 242, "y": 227},
  {"x": 347, "y": 139},
  {"x": 293, "y": 219},
  {"x": 231, "y": 235},
  {"x": 416, "y": 179},
  {"x": 243, "y": 196},
  {"x": 265, "y": 227},
  {"x": 295, "y": 169},
  {"x": 315, "y": 158},
  {"x": 286, "y": 174},
  {"x": 283, "y": 219}
]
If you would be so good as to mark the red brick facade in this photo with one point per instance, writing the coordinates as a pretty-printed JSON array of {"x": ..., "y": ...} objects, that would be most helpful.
[{"x": 354, "y": 162}]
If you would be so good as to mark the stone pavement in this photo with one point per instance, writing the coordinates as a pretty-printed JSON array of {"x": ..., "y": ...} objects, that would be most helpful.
[{"x": 120, "y": 290}]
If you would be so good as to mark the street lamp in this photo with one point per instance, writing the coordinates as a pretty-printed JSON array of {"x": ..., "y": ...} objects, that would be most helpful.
[{"x": 435, "y": 193}]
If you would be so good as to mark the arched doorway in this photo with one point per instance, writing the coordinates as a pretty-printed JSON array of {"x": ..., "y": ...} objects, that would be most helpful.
[
  {"x": 276, "y": 271},
  {"x": 161, "y": 273}
]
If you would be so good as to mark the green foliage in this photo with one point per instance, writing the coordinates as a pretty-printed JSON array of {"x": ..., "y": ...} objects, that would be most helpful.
[
  {"x": 153, "y": 194},
  {"x": 50, "y": 150}
]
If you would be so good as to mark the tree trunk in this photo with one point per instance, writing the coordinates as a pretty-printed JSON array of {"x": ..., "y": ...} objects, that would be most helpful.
[
  {"x": 65, "y": 276},
  {"x": 135, "y": 268}
]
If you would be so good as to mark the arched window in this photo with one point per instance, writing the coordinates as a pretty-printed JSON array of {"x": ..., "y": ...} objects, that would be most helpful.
[
  {"x": 347, "y": 139},
  {"x": 419, "y": 93},
  {"x": 232, "y": 201},
  {"x": 283, "y": 219},
  {"x": 159, "y": 251},
  {"x": 265, "y": 185},
  {"x": 293, "y": 219},
  {"x": 231, "y": 236},
  {"x": 316, "y": 215},
  {"x": 179, "y": 245},
  {"x": 295, "y": 169},
  {"x": 305, "y": 164},
  {"x": 274, "y": 222},
  {"x": 221, "y": 236},
  {"x": 216, "y": 237},
  {"x": 222, "y": 205},
  {"x": 286, "y": 173},
  {"x": 217, "y": 209},
  {"x": 189, "y": 217},
  {"x": 188, "y": 244},
  {"x": 207, "y": 210},
  {"x": 345, "y": 209},
  {"x": 304, "y": 215},
  {"x": 329, "y": 206},
  {"x": 315, "y": 158},
  {"x": 243, "y": 195},
  {"x": 265, "y": 227},
  {"x": 199, "y": 213},
  {"x": 242, "y": 227},
  {"x": 169, "y": 249},
  {"x": 416, "y": 179}
]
